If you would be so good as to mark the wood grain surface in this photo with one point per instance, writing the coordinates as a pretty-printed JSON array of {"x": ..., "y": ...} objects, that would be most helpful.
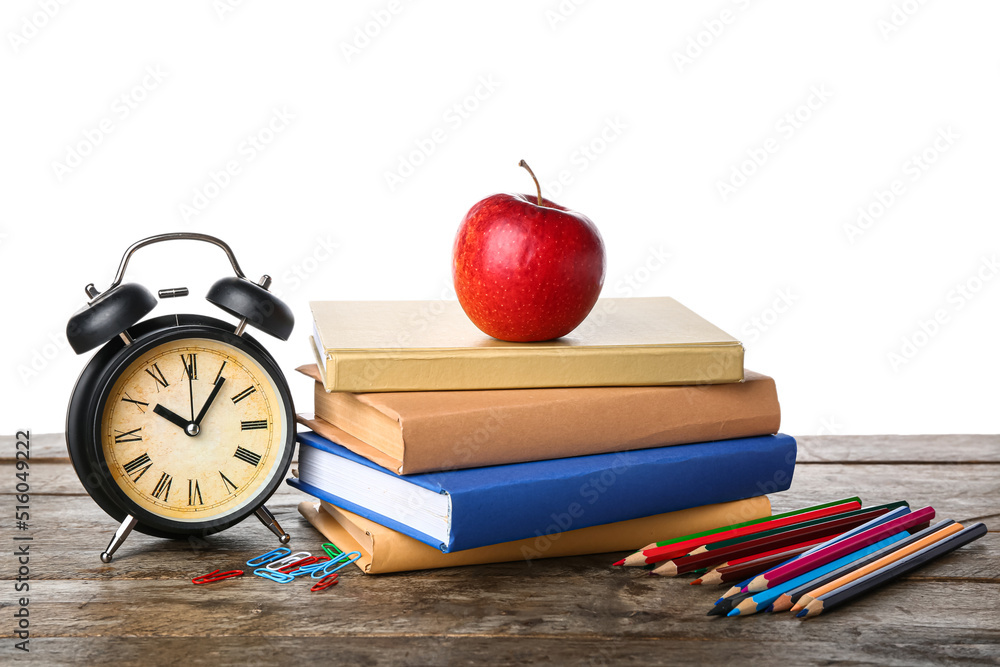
[{"x": 143, "y": 609}]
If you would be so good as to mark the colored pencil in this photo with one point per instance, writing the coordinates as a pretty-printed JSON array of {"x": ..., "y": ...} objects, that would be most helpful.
[
  {"x": 673, "y": 567},
  {"x": 862, "y": 515},
  {"x": 751, "y": 565},
  {"x": 897, "y": 569},
  {"x": 723, "y": 607},
  {"x": 660, "y": 554},
  {"x": 879, "y": 520},
  {"x": 822, "y": 556},
  {"x": 743, "y": 524},
  {"x": 751, "y": 604},
  {"x": 789, "y": 598},
  {"x": 888, "y": 559}
]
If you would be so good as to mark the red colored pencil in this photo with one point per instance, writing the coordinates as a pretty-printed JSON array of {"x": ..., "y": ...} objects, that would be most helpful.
[
  {"x": 659, "y": 554},
  {"x": 693, "y": 561},
  {"x": 800, "y": 566},
  {"x": 741, "y": 568}
]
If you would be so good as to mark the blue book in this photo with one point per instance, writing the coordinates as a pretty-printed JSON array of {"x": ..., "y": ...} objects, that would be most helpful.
[{"x": 463, "y": 509}]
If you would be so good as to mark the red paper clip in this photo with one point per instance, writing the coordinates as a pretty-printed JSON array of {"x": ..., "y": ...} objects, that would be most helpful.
[
  {"x": 325, "y": 583},
  {"x": 215, "y": 575},
  {"x": 294, "y": 565}
]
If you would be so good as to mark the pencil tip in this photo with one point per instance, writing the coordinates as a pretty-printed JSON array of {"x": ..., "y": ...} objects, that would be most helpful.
[
  {"x": 696, "y": 582},
  {"x": 734, "y": 612},
  {"x": 801, "y": 614},
  {"x": 621, "y": 562},
  {"x": 714, "y": 611}
]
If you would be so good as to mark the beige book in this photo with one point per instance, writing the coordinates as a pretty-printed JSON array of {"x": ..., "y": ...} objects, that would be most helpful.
[
  {"x": 413, "y": 432},
  {"x": 367, "y": 346},
  {"x": 385, "y": 550}
]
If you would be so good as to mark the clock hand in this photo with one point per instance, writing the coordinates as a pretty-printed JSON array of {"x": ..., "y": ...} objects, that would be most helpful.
[
  {"x": 208, "y": 402},
  {"x": 190, "y": 369},
  {"x": 171, "y": 416}
]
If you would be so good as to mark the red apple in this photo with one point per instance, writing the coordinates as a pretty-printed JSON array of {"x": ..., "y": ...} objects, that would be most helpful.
[{"x": 526, "y": 269}]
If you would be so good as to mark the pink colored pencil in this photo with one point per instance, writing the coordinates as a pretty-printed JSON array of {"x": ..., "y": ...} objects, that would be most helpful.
[{"x": 805, "y": 563}]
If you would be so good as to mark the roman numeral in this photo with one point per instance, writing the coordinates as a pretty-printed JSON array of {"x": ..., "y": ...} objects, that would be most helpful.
[
  {"x": 243, "y": 394},
  {"x": 163, "y": 487},
  {"x": 190, "y": 365},
  {"x": 158, "y": 376},
  {"x": 253, "y": 425},
  {"x": 247, "y": 456},
  {"x": 128, "y": 436},
  {"x": 219, "y": 374},
  {"x": 142, "y": 463},
  {"x": 227, "y": 482},
  {"x": 194, "y": 492},
  {"x": 128, "y": 399}
]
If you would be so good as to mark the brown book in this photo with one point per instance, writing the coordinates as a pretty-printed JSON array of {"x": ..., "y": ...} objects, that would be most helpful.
[{"x": 413, "y": 432}]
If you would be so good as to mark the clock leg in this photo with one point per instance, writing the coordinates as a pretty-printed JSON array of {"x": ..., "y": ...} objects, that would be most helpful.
[
  {"x": 123, "y": 530},
  {"x": 268, "y": 520}
]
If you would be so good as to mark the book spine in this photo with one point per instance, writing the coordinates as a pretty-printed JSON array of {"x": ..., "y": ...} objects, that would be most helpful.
[
  {"x": 637, "y": 484},
  {"x": 531, "y": 367}
]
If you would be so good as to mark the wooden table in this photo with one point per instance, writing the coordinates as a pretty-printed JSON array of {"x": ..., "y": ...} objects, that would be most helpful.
[{"x": 143, "y": 609}]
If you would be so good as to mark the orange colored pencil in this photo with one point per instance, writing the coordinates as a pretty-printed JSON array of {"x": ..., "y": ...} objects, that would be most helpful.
[{"x": 877, "y": 565}]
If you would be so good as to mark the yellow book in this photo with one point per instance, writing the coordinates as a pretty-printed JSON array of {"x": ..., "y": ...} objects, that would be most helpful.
[
  {"x": 377, "y": 346},
  {"x": 385, "y": 550}
]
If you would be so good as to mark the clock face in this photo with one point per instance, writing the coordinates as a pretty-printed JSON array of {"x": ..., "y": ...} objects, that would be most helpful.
[{"x": 193, "y": 430}]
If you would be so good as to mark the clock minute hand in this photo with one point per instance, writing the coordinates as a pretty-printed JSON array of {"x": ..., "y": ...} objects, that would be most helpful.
[
  {"x": 208, "y": 402},
  {"x": 171, "y": 416}
]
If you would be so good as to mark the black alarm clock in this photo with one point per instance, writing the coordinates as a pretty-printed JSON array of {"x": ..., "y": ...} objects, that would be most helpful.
[{"x": 180, "y": 425}]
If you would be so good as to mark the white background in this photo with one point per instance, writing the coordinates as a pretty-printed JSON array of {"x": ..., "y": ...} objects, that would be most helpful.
[{"x": 644, "y": 108}]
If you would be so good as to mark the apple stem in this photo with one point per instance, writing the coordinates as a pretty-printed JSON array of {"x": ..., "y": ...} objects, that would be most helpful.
[{"x": 524, "y": 164}]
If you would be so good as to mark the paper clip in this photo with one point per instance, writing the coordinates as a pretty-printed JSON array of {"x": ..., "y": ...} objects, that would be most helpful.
[
  {"x": 292, "y": 567},
  {"x": 325, "y": 583},
  {"x": 275, "y": 564},
  {"x": 332, "y": 549},
  {"x": 274, "y": 575},
  {"x": 274, "y": 554},
  {"x": 215, "y": 575},
  {"x": 323, "y": 571},
  {"x": 309, "y": 568}
]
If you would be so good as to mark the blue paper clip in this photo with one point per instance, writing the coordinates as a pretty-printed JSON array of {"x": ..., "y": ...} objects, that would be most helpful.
[
  {"x": 274, "y": 575},
  {"x": 309, "y": 569},
  {"x": 281, "y": 562},
  {"x": 323, "y": 571},
  {"x": 272, "y": 555}
]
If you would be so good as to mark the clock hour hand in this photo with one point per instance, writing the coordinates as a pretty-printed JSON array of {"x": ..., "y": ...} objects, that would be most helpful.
[
  {"x": 208, "y": 402},
  {"x": 171, "y": 416}
]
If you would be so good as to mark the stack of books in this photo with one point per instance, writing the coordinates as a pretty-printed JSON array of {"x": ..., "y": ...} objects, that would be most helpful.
[{"x": 434, "y": 445}]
